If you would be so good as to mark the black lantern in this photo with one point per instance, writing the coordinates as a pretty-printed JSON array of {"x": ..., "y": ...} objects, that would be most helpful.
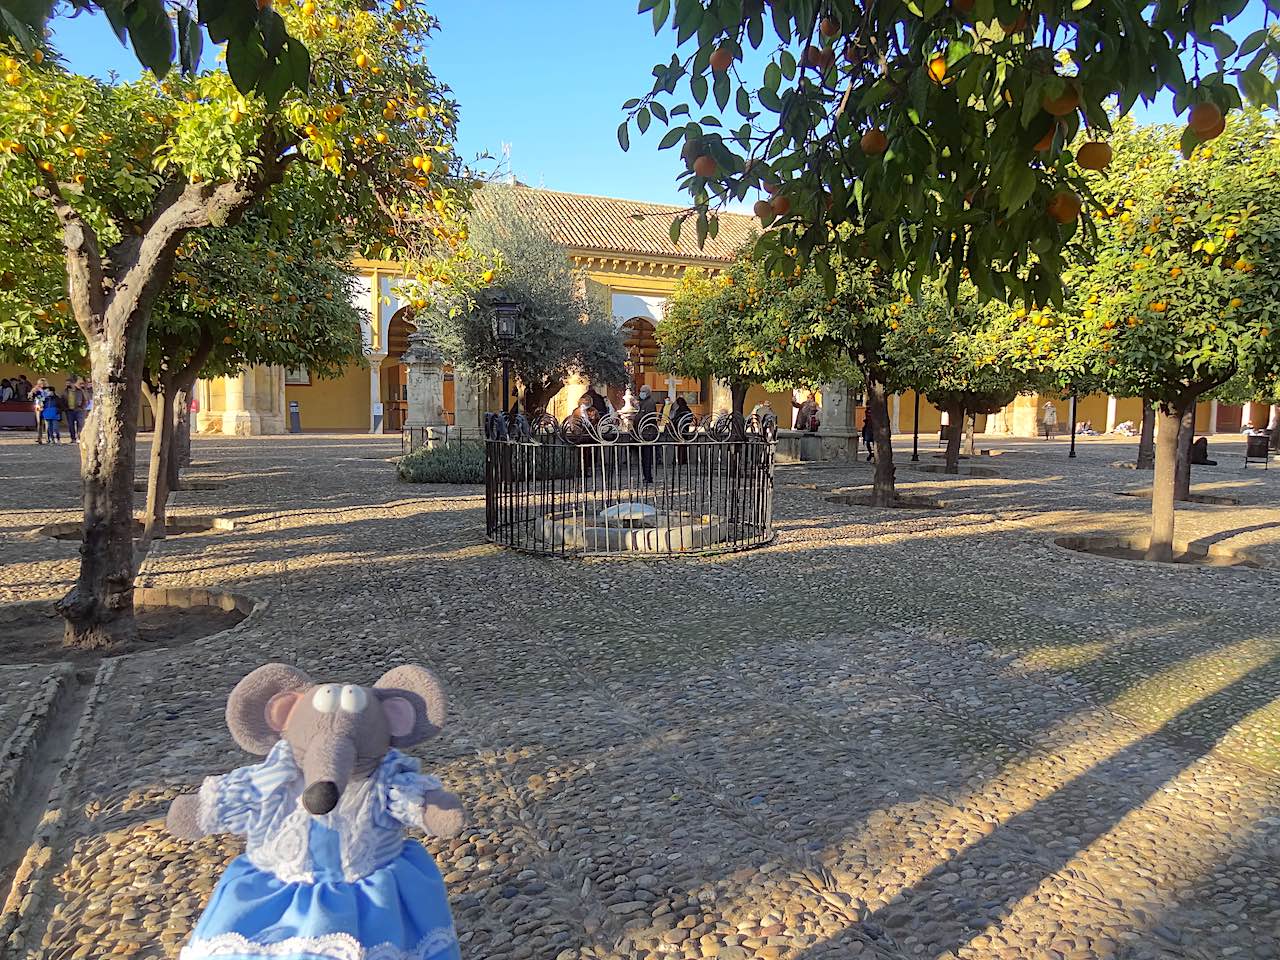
[{"x": 506, "y": 325}]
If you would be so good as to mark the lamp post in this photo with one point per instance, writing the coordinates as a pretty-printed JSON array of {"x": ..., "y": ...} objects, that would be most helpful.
[
  {"x": 915, "y": 431},
  {"x": 506, "y": 321},
  {"x": 1072, "y": 454}
]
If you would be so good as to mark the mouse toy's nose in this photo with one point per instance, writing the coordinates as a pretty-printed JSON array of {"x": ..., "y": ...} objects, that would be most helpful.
[{"x": 320, "y": 797}]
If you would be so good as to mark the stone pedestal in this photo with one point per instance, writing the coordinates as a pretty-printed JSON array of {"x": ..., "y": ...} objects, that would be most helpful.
[
  {"x": 238, "y": 417},
  {"x": 424, "y": 414},
  {"x": 837, "y": 422},
  {"x": 470, "y": 401}
]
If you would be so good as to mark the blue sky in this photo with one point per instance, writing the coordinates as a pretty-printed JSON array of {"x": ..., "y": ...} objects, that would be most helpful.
[{"x": 547, "y": 78}]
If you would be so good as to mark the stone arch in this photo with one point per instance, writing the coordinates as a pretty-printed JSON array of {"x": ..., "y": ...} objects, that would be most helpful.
[{"x": 393, "y": 376}]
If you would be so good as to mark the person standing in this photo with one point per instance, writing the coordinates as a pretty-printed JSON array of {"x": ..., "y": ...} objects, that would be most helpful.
[
  {"x": 868, "y": 436},
  {"x": 806, "y": 412},
  {"x": 40, "y": 394},
  {"x": 646, "y": 430},
  {"x": 1050, "y": 420},
  {"x": 51, "y": 414},
  {"x": 73, "y": 404},
  {"x": 22, "y": 388}
]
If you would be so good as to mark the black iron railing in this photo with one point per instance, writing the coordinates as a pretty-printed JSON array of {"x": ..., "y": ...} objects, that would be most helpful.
[{"x": 620, "y": 486}]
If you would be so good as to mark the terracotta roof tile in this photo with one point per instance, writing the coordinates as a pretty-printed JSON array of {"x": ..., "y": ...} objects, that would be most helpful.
[{"x": 611, "y": 225}]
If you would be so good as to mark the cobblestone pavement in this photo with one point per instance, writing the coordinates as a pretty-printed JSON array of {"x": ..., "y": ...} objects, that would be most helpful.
[{"x": 893, "y": 733}]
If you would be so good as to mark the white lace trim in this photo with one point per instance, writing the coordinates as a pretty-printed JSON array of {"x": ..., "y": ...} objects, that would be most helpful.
[
  {"x": 207, "y": 805},
  {"x": 332, "y": 946}
]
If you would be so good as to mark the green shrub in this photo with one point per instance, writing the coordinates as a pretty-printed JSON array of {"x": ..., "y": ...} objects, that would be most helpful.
[{"x": 451, "y": 463}]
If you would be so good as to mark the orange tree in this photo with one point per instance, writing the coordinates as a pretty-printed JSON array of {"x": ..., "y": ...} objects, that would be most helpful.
[
  {"x": 159, "y": 32},
  {"x": 969, "y": 358},
  {"x": 121, "y": 174},
  {"x": 744, "y": 326},
  {"x": 928, "y": 130},
  {"x": 1183, "y": 296},
  {"x": 752, "y": 325}
]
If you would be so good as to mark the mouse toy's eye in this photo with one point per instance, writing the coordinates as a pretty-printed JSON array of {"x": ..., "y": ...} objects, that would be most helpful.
[
  {"x": 325, "y": 699},
  {"x": 354, "y": 699}
]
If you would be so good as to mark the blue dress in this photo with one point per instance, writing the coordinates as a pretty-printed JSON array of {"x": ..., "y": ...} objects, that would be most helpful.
[{"x": 343, "y": 886}]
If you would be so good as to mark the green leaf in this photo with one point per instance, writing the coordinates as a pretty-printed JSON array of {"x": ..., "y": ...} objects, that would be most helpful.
[
  {"x": 642, "y": 120},
  {"x": 1223, "y": 45},
  {"x": 1189, "y": 142},
  {"x": 658, "y": 110},
  {"x": 299, "y": 59},
  {"x": 1258, "y": 88},
  {"x": 721, "y": 90},
  {"x": 698, "y": 87},
  {"x": 151, "y": 35},
  {"x": 661, "y": 10},
  {"x": 245, "y": 61},
  {"x": 743, "y": 102},
  {"x": 1252, "y": 42},
  {"x": 674, "y": 231},
  {"x": 275, "y": 83},
  {"x": 273, "y": 31},
  {"x": 624, "y": 136},
  {"x": 1017, "y": 188},
  {"x": 190, "y": 42},
  {"x": 672, "y": 137}
]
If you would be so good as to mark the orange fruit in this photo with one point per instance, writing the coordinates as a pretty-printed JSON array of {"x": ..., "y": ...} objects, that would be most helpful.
[
  {"x": 362, "y": 60},
  {"x": 874, "y": 143},
  {"x": 704, "y": 165},
  {"x": 780, "y": 205},
  {"x": 721, "y": 59},
  {"x": 426, "y": 165},
  {"x": 1213, "y": 132},
  {"x": 46, "y": 166},
  {"x": 263, "y": 4},
  {"x": 308, "y": 9},
  {"x": 1062, "y": 104},
  {"x": 1204, "y": 117},
  {"x": 938, "y": 69},
  {"x": 811, "y": 57},
  {"x": 236, "y": 116},
  {"x": 37, "y": 56},
  {"x": 487, "y": 276},
  {"x": 67, "y": 129},
  {"x": 13, "y": 79},
  {"x": 1094, "y": 156},
  {"x": 1159, "y": 306},
  {"x": 830, "y": 27},
  {"x": 763, "y": 210},
  {"x": 1236, "y": 302},
  {"x": 1064, "y": 206}
]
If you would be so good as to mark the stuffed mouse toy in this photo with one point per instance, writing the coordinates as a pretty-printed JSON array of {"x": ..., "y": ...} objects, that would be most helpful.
[{"x": 327, "y": 873}]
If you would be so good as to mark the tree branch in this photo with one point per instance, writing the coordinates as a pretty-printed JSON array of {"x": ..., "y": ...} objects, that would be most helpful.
[{"x": 84, "y": 262}]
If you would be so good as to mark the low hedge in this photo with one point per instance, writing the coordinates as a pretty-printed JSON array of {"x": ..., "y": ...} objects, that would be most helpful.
[{"x": 451, "y": 463}]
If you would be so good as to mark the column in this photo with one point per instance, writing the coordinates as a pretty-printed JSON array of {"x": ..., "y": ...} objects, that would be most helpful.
[
  {"x": 237, "y": 419},
  {"x": 1213, "y": 417},
  {"x": 895, "y": 413},
  {"x": 1112, "y": 414},
  {"x": 375, "y": 392},
  {"x": 837, "y": 427},
  {"x": 1250, "y": 413},
  {"x": 424, "y": 417}
]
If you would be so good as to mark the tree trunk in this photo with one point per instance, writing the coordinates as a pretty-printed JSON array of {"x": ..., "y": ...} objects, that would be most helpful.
[
  {"x": 882, "y": 489},
  {"x": 1186, "y": 436},
  {"x": 180, "y": 451},
  {"x": 155, "y": 519},
  {"x": 538, "y": 395},
  {"x": 971, "y": 424},
  {"x": 1160, "y": 546},
  {"x": 955, "y": 415},
  {"x": 1146, "y": 437},
  {"x": 739, "y": 393},
  {"x": 99, "y": 608}
]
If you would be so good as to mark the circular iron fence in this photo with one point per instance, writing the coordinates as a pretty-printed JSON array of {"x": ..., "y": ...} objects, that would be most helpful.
[{"x": 629, "y": 486}]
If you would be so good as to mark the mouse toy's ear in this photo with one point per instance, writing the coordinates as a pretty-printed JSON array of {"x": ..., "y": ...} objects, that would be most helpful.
[
  {"x": 260, "y": 703},
  {"x": 414, "y": 702}
]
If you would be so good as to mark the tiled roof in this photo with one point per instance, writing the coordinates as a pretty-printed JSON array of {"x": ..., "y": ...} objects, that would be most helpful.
[{"x": 632, "y": 227}]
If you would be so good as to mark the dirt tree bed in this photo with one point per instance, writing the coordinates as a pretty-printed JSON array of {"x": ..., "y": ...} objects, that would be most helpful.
[{"x": 33, "y": 632}]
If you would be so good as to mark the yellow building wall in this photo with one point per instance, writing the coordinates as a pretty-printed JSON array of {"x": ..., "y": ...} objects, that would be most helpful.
[
  {"x": 1092, "y": 408},
  {"x": 338, "y": 404},
  {"x": 930, "y": 416},
  {"x": 1127, "y": 408}
]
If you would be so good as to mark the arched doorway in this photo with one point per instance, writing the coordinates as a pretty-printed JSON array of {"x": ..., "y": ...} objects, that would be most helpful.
[
  {"x": 642, "y": 363},
  {"x": 393, "y": 377}
]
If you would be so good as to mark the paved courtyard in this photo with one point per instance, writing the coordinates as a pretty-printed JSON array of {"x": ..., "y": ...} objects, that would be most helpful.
[{"x": 892, "y": 733}]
